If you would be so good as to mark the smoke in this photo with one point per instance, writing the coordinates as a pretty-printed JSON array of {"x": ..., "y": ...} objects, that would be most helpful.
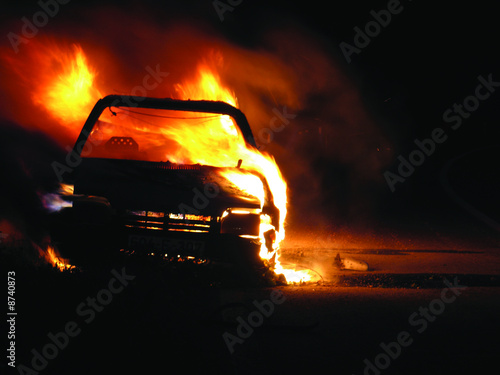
[
  {"x": 330, "y": 152},
  {"x": 25, "y": 158}
]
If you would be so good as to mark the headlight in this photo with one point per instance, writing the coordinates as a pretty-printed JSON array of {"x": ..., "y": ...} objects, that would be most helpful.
[{"x": 241, "y": 221}]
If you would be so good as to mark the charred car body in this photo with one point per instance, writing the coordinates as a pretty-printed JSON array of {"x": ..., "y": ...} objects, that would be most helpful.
[{"x": 125, "y": 195}]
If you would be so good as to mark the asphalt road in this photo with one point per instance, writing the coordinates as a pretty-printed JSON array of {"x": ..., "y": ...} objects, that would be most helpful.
[{"x": 409, "y": 314}]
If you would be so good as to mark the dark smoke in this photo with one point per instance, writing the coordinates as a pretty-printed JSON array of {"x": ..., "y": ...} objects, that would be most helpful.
[{"x": 25, "y": 167}]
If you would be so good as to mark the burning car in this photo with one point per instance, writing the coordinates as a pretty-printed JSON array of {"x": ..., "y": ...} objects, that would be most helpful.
[{"x": 136, "y": 188}]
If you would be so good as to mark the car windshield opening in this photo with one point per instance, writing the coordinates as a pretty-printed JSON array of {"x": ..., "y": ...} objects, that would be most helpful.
[{"x": 157, "y": 134}]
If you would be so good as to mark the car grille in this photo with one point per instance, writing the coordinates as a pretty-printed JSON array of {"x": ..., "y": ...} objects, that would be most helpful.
[
  {"x": 167, "y": 165},
  {"x": 167, "y": 221}
]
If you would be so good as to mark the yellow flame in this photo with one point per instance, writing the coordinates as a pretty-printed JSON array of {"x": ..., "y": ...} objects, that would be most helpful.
[
  {"x": 52, "y": 257},
  {"x": 67, "y": 88},
  {"x": 246, "y": 182},
  {"x": 206, "y": 86},
  {"x": 220, "y": 143}
]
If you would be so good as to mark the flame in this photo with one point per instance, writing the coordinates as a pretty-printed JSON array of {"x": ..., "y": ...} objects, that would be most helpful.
[
  {"x": 293, "y": 275},
  {"x": 67, "y": 91},
  {"x": 207, "y": 86},
  {"x": 220, "y": 143},
  {"x": 57, "y": 78},
  {"x": 54, "y": 202},
  {"x": 246, "y": 182},
  {"x": 52, "y": 257},
  {"x": 63, "y": 82}
]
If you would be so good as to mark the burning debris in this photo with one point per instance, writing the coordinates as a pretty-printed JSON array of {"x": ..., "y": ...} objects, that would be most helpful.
[{"x": 53, "y": 258}]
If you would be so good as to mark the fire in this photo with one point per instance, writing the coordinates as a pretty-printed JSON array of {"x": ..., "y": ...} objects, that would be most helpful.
[
  {"x": 220, "y": 144},
  {"x": 246, "y": 182},
  {"x": 293, "y": 275},
  {"x": 63, "y": 82},
  {"x": 52, "y": 257},
  {"x": 67, "y": 90},
  {"x": 207, "y": 86},
  {"x": 57, "y": 78}
]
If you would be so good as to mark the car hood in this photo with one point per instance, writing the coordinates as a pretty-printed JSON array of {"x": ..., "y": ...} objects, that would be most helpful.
[{"x": 160, "y": 186}]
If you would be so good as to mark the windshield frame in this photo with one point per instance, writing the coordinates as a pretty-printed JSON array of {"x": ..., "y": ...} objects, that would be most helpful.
[{"x": 206, "y": 106}]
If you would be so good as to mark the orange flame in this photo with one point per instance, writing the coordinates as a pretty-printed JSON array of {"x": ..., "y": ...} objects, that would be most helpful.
[
  {"x": 64, "y": 84},
  {"x": 67, "y": 92},
  {"x": 57, "y": 78},
  {"x": 53, "y": 258},
  {"x": 246, "y": 182},
  {"x": 220, "y": 144}
]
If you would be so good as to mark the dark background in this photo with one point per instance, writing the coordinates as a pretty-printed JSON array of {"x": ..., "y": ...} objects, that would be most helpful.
[
  {"x": 369, "y": 111},
  {"x": 426, "y": 59}
]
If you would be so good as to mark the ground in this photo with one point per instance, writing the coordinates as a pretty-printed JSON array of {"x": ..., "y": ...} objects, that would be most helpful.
[{"x": 440, "y": 307}]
